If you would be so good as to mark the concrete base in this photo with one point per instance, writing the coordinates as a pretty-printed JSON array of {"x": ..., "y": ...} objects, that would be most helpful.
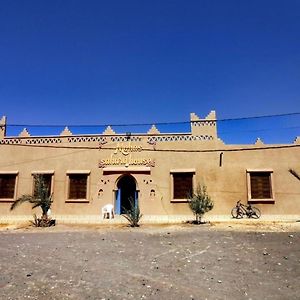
[{"x": 147, "y": 219}]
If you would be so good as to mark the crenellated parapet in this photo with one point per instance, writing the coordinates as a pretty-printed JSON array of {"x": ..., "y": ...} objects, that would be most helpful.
[
  {"x": 108, "y": 131},
  {"x": 2, "y": 128},
  {"x": 204, "y": 127},
  {"x": 202, "y": 130},
  {"x": 259, "y": 142},
  {"x": 24, "y": 133},
  {"x": 153, "y": 130},
  {"x": 66, "y": 132}
]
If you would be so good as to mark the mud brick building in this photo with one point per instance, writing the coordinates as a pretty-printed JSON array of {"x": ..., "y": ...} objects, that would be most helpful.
[{"x": 85, "y": 172}]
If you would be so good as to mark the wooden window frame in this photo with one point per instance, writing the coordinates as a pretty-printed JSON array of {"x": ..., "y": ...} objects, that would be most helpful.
[
  {"x": 260, "y": 200},
  {"x": 16, "y": 173},
  {"x": 181, "y": 171},
  {"x": 78, "y": 172}
]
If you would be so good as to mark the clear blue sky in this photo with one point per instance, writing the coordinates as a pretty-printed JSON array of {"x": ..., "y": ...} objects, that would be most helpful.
[{"x": 100, "y": 62}]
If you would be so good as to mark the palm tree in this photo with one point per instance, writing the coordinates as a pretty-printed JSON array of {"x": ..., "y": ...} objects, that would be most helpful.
[
  {"x": 40, "y": 198},
  {"x": 132, "y": 214}
]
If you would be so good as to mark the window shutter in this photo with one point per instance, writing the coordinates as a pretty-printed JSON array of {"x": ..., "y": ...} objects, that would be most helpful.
[
  {"x": 7, "y": 186},
  {"x": 183, "y": 185},
  {"x": 78, "y": 186},
  {"x": 260, "y": 185}
]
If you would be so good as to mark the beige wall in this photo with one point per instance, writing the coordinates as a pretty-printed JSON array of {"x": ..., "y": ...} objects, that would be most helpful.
[{"x": 226, "y": 184}]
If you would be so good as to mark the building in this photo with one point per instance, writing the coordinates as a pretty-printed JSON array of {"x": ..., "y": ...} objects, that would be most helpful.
[{"x": 85, "y": 172}]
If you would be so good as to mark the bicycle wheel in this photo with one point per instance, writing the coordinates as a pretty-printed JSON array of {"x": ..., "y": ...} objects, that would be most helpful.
[
  {"x": 255, "y": 214},
  {"x": 236, "y": 213}
]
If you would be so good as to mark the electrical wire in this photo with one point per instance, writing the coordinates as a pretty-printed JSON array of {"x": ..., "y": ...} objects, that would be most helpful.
[
  {"x": 251, "y": 147},
  {"x": 152, "y": 123}
]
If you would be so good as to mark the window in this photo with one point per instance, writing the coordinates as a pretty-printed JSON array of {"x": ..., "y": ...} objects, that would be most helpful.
[
  {"x": 78, "y": 185},
  {"x": 47, "y": 178},
  {"x": 182, "y": 184},
  {"x": 7, "y": 185},
  {"x": 260, "y": 185}
]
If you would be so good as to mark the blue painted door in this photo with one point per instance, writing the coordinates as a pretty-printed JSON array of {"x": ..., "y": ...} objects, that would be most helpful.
[
  {"x": 136, "y": 198},
  {"x": 118, "y": 202}
]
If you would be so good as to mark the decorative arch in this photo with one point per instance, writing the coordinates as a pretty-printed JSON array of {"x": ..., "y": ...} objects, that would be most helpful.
[
  {"x": 126, "y": 189},
  {"x": 121, "y": 176}
]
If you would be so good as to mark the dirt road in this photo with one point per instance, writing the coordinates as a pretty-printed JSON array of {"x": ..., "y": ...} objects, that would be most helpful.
[{"x": 151, "y": 262}]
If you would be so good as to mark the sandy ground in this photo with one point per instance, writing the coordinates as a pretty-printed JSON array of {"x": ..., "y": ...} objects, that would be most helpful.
[{"x": 240, "y": 260}]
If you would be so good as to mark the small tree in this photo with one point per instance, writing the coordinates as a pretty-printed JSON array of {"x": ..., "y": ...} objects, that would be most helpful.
[
  {"x": 133, "y": 214},
  {"x": 200, "y": 202},
  {"x": 40, "y": 198}
]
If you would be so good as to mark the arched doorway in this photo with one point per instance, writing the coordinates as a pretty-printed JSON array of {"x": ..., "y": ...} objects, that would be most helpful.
[{"x": 126, "y": 191}]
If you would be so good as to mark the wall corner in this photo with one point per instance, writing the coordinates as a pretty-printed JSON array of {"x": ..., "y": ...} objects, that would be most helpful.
[{"x": 2, "y": 127}]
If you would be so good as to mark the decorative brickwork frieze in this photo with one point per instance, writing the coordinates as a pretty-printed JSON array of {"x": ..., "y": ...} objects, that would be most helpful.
[
  {"x": 203, "y": 123},
  {"x": 126, "y": 139},
  {"x": 34, "y": 141},
  {"x": 11, "y": 141},
  {"x": 84, "y": 139},
  {"x": 177, "y": 138}
]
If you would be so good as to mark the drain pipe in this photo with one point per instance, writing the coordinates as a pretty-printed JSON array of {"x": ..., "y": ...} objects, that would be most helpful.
[{"x": 221, "y": 159}]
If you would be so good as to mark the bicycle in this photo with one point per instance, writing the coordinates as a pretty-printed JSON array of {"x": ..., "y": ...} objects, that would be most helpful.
[{"x": 241, "y": 210}]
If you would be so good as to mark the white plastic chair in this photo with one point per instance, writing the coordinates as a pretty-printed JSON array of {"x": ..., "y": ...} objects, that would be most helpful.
[{"x": 108, "y": 211}]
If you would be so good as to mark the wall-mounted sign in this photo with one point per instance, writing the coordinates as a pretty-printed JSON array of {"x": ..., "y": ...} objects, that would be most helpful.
[
  {"x": 125, "y": 150},
  {"x": 126, "y": 159}
]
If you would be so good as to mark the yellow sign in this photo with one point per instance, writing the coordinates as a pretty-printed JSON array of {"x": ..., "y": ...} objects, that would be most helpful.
[
  {"x": 125, "y": 150},
  {"x": 126, "y": 159}
]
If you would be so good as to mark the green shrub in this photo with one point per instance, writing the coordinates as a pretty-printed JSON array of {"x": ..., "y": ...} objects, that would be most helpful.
[{"x": 200, "y": 202}]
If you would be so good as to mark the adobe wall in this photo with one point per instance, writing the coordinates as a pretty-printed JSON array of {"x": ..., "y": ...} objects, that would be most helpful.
[{"x": 149, "y": 158}]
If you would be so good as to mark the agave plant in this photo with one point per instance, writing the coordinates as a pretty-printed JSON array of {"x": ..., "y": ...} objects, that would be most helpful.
[
  {"x": 133, "y": 214},
  {"x": 40, "y": 198}
]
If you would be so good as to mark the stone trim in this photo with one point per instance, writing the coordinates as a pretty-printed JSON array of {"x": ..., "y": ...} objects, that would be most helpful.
[
  {"x": 127, "y": 169},
  {"x": 248, "y": 175},
  {"x": 183, "y": 170},
  {"x": 9, "y": 172},
  {"x": 78, "y": 172},
  {"x": 43, "y": 172}
]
